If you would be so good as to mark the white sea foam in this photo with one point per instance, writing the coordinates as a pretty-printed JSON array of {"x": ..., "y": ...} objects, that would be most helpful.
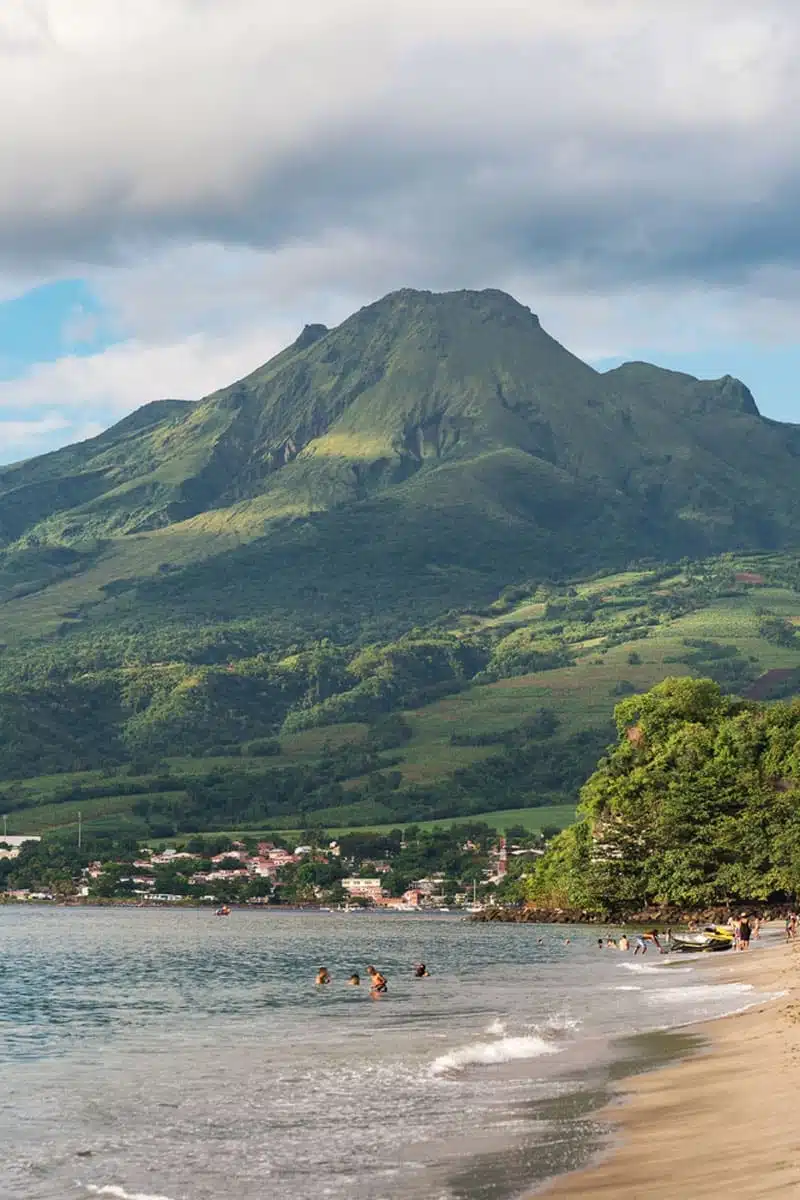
[
  {"x": 487, "y": 1054},
  {"x": 648, "y": 969},
  {"x": 111, "y": 1189},
  {"x": 496, "y": 1026},
  {"x": 627, "y": 987},
  {"x": 698, "y": 993},
  {"x": 557, "y": 1026}
]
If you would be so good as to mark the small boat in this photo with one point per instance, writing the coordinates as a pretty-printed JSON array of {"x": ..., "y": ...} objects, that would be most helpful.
[
  {"x": 474, "y": 907},
  {"x": 223, "y": 912},
  {"x": 713, "y": 937}
]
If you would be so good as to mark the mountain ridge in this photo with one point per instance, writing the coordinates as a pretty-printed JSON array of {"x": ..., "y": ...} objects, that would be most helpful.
[{"x": 442, "y": 435}]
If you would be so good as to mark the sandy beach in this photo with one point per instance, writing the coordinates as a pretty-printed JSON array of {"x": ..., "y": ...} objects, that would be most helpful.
[{"x": 722, "y": 1123}]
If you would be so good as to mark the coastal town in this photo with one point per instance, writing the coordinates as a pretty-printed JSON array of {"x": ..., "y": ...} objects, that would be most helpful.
[{"x": 464, "y": 867}]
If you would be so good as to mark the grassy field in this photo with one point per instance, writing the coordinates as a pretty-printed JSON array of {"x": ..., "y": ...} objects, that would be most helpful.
[
  {"x": 532, "y": 819},
  {"x": 95, "y": 813}
]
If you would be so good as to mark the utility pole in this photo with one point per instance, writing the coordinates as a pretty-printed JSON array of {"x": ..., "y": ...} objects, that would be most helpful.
[
  {"x": 79, "y": 830},
  {"x": 5, "y": 824}
]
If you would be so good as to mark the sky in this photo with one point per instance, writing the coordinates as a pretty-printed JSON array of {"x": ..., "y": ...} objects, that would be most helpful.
[{"x": 186, "y": 183}]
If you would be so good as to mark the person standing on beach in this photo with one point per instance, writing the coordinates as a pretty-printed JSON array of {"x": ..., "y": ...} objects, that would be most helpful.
[
  {"x": 744, "y": 933},
  {"x": 735, "y": 925},
  {"x": 639, "y": 944},
  {"x": 756, "y": 927},
  {"x": 793, "y": 925},
  {"x": 624, "y": 944}
]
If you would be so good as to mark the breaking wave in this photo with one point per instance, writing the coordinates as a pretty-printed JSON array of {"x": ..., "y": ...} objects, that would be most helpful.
[
  {"x": 111, "y": 1189},
  {"x": 646, "y": 969},
  {"x": 487, "y": 1054},
  {"x": 559, "y": 1026}
]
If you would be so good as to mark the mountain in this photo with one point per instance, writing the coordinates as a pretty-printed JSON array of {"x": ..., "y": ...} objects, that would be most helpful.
[{"x": 426, "y": 452}]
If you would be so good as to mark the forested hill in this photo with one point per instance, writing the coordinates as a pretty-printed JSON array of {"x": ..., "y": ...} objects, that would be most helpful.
[{"x": 422, "y": 455}]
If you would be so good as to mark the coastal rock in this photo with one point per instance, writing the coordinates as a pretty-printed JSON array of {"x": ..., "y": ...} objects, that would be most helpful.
[{"x": 540, "y": 916}]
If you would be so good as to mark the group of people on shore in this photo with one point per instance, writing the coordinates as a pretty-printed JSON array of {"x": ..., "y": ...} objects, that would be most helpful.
[
  {"x": 640, "y": 942},
  {"x": 378, "y": 984}
]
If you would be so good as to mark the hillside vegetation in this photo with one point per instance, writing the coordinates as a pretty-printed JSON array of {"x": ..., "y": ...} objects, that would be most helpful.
[{"x": 510, "y": 707}]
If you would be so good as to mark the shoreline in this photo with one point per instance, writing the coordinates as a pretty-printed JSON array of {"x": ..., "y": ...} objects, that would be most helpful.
[{"x": 719, "y": 1122}]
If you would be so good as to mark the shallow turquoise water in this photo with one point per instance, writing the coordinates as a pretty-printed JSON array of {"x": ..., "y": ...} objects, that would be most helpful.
[{"x": 171, "y": 1054}]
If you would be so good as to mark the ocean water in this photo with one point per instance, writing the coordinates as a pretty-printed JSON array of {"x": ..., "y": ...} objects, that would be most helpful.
[{"x": 173, "y": 1055}]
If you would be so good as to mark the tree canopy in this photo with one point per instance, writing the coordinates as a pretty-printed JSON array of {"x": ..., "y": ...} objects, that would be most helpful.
[{"x": 698, "y": 803}]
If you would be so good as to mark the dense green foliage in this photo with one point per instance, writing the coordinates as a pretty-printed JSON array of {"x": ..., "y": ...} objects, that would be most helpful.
[
  {"x": 698, "y": 803},
  {"x": 445, "y": 722}
]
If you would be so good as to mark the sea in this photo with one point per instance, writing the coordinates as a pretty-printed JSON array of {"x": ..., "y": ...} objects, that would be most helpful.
[{"x": 163, "y": 1054}]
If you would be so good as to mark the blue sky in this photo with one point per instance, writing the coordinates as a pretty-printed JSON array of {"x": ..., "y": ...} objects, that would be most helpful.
[
  {"x": 47, "y": 322},
  {"x": 771, "y": 374},
  {"x": 187, "y": 184}
]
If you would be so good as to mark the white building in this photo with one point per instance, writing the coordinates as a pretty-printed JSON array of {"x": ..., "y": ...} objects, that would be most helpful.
[
  {"x": 15, "y": 842},
  {"x": 363, "y": 889}
]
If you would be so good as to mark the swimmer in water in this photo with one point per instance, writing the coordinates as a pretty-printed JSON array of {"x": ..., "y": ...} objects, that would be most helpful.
[
  {"x": 599, "y": 943},
  {"x": 378, "y": 985},
  {"x": 323, "y": 976},
  {"x": 354, "y": 980},
  {"x": 421, "y": 971}
]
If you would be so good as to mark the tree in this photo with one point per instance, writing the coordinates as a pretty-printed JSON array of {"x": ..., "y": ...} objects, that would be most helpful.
[{"x": 697, "y": 804}]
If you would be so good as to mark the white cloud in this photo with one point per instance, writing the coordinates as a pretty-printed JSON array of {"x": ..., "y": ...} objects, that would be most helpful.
[
  {"x": 20, "y": 438},
  {"x": 130, "y": 374}
]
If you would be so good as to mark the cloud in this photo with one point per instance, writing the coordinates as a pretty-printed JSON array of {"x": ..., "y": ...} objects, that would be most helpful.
[
  {"x": 130, "y": 374},
  {"x": 615, "y": 141},
  {"x": 19, "y": 437}
]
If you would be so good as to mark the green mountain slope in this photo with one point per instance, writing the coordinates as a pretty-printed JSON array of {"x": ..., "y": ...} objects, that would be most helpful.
[{"x": 427, "y": 451}]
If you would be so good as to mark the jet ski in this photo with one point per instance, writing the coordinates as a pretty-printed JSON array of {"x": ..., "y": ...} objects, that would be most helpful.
[{"x": 712, "y": 937}]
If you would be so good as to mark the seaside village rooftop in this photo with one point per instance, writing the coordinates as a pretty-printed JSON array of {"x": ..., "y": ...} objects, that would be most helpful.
[{"x": 348, "y": 873}]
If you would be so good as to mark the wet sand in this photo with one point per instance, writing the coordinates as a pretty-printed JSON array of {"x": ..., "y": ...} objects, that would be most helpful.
[{"x": 723, "y": 1123}]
